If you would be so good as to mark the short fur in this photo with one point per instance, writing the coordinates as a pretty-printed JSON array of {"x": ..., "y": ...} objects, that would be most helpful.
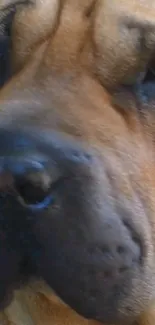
[{"x": 76, "y": 69}]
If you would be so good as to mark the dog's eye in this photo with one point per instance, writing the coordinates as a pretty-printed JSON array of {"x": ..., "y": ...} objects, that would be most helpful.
[
  {"x": 32, "y": 181},
  {"x": 34, "y": 190}
]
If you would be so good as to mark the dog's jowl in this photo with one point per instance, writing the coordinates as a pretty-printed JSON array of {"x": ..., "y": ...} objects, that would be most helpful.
[{"x": 77, "y": 159}]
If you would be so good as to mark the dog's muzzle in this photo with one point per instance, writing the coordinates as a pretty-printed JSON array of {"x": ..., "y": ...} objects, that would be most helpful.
[{"x": 67, "y": 226}]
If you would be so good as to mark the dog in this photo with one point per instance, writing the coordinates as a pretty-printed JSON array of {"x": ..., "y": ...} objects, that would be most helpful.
[{"x": 77, "y": 162}]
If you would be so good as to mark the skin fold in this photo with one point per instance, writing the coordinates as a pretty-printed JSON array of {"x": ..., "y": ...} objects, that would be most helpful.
[{"x": 77, "y": 131}]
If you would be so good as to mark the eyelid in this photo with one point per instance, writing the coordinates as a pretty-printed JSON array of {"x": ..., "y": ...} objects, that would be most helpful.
[{"x": 40, "y": 205}]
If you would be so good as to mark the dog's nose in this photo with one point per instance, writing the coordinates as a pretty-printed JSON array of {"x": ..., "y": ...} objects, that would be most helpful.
[{"x": 87, "y": 251}]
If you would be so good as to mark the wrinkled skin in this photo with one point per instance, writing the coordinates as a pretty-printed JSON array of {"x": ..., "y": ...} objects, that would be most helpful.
[{"x": 77, "y": 136}]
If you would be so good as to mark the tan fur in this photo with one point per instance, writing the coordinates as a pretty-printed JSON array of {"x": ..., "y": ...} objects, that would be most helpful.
[
  {"x": 36, "y": 305},
  {"x": 64, "y": 53}
]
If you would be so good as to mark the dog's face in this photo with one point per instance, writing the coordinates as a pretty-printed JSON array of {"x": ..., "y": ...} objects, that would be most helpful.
[{"x": 79, "y": 197}]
